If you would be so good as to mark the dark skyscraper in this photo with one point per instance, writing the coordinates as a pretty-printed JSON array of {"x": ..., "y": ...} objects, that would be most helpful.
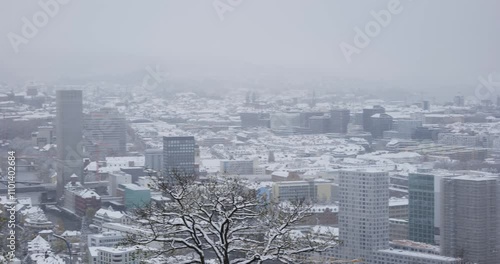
[
  {"x": 178, "y": 156},
  {"x": 69, "y": 122},
  {"x": 380, "y": 123},
  {"x": 339, "y": 120},
  {"x": 368, "y": 113}
]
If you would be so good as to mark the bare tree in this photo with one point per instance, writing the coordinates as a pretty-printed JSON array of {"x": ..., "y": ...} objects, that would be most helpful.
[{"x": 222, "y": 219}]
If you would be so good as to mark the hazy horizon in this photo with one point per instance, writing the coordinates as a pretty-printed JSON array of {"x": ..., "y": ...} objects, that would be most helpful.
[{"x": 428, "y": 44}]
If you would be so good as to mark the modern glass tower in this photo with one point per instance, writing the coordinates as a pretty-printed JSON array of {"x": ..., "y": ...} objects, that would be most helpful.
[
  {"x": 178, "y": 156},
  {"x": 421, "y": 208}
]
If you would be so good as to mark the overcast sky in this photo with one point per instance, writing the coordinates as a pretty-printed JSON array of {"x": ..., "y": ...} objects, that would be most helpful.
[{"x": 446, "y": 41}]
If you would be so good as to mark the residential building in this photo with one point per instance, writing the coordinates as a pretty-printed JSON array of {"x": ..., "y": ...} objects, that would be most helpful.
[
  {"x": 38, "y": 245},
  {"x": 113, "y": 255},
  {"x": 87, "y": 200},
  {"x": 105, "y": 239},
  {"x": 78, "y": 200},
  {"x": 109, "y": 215},
  {"x": 364, "y": 212}
]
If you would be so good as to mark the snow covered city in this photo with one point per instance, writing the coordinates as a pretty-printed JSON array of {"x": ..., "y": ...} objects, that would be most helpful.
[{"x": 250, "y": 132}]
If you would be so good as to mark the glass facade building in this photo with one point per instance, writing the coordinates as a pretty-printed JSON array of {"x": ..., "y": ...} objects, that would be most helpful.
[
  {"x": 421, "y": 208},
  {"x": 178, "y": 156}
]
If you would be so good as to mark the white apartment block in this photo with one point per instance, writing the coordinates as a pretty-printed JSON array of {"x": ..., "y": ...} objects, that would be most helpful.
[
  {"x": 364, "y": 212},
  {"x": 105, "y": 239},
  {"x": 111, "y": 255}
]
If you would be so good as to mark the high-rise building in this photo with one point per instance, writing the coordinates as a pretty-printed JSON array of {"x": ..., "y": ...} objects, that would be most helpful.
[
  {"x": 339, "y": 120},
  {"x": 364, "y": 222},
  {"x": 425, "y": 208},
  {"x": 363, "y": 212},
  {"x": 379, "y": 124},
  {"x": 406, "y": 127},
  {"x": 178, "y": 156},
  {"x": 470, "y": 218},
  {"x": 69, "y": 120},
  {"x": 305, "y": 117},
  {"x": 285, "y": 120},
  {"x": 319, "y": 124},
  {"x": 367, "y": 116},
  {"x": 105, "y": 134}
]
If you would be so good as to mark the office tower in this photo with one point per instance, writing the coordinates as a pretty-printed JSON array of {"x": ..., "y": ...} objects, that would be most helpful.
[
  {"x": 305, "y": 118},
  {"x": 379, "y": 124},
  {"x": 368, "y": 113},
  {"x": 470, "y": 218},
  {"x": 339, "y": 119},
  {"x": 425, "y": 211},
  {"x": 363, "y": 212},
  {"x": 105, "y": 134},
  {"x": 69, "y": 120},
  {"x": 319, "y": 124},
  {"x": 285, "y": 120},
  {"x": 178, "y": 156},
  {"x": 406, "y": 127}
]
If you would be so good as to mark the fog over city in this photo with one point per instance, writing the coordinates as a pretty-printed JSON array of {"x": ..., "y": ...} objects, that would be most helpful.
[
  {"x": 429, "y": 44},
  {"x": 250, "y": 131}
]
